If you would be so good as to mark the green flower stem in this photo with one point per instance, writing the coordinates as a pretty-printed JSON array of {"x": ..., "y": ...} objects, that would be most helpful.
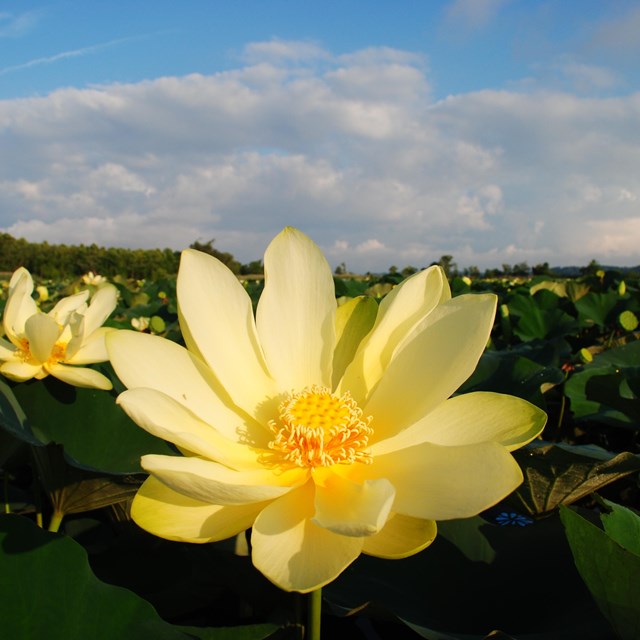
[
  {"x": 314, "y": 614},
  {"x": 56, "y": 521}
]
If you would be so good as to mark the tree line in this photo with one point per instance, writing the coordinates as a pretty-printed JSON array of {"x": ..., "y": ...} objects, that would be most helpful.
[{"x": 60, "y": 260}]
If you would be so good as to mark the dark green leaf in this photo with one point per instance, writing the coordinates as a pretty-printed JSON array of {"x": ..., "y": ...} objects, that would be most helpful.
[
  {"x": 623, "y": 526},
  {"x": 13, "y": 419},
  {"x": 95, "y": 432},
  {"x": 627, "y": 355},
  {"x": 48, "y": 590},
  {"x": 611, "y": 573},
  {"x": 595, "y": 308},
  {"x": 603, "y": 392},
  {"x": 540, "y": 317},
  {"x": 506, "y": 372}
]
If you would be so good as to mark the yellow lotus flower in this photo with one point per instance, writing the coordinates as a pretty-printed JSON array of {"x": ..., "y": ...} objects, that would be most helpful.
[
  {"x": 141, "y": 323},
  {"x": 328, "y": 436},
  {"x": 40, "y": 343},
  {"x": 94, "y": 279}
]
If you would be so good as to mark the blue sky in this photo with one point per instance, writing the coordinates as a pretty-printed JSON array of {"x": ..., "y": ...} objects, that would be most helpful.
[{"x": 392, "y": 132}]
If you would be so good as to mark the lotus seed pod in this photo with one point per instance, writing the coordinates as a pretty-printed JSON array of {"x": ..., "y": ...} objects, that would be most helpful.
[
  {"x": 157, "y": 324},
  {"x": 622, "y": 288},
  {"x": 585, "y": 355},
  {"x": 628, "y": 320}
]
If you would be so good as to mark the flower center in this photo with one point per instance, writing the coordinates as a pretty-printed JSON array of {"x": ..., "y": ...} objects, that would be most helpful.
[
  {"x": 318, "y": 429},
  {"x": 24, "y": 353},
  {"x": 58, "y": 353}
]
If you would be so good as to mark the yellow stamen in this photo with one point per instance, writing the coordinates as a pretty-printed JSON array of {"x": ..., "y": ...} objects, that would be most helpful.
[
  {"x": 318, "y": 429},
  {"x": 58, "y": 353},
  {"x": 24, "y": 352}
]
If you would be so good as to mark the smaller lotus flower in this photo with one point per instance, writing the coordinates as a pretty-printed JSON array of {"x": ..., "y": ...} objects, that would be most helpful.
[
  {"x": 93, "y": 279},
  {"x": 41, "y": 344},
  {"x": 141, "y": 323}
]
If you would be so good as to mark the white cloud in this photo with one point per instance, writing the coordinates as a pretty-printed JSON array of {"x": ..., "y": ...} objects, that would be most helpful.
[
  {"x": 473, "y": 14},
  {"x": 370, "y": 245},
  {"x": 615, "y": 239},
  {"x": 351, "y": 149},
  {"x": 277, "y": 50}
]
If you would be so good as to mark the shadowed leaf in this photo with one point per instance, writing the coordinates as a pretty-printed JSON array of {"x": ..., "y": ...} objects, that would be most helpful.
[{"x": 556, "y": 475}]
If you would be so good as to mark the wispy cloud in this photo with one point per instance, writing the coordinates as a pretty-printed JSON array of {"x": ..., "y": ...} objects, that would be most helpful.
[
  {"x": 277, "y": 50},
  {"x": 64, "y": 55},
  {"x": 618, "y": 35},
  {"x": 15, "y": 26},
  {"x": 473, "y": 14}
]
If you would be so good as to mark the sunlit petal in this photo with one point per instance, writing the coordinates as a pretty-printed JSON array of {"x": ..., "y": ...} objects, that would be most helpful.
[
  {"x": 354, "y": 320},
  {"x": 400, "y": 311},
  {"x": 401, "y": 537},
  {"x": 102, "y": 305},
  {"x": 20, "y": 371},
  {"x": 431, "y": 363},
  {"x": 166, "y": 418},
  {"x": 296, "y": 312},
  {"x": 292, "y": 551},
  {"x": 89, "y": 350},
  {"x": 435, "y": 482},
  {"x": 351, "y": 508},
  {"x": 41, "y": 331},
  {"x": 212, "y": 482},
  {"x": 167, "y": 514},
  {"x": 80, "y": 376},
  {"x": 20, "y": 305},
  {"x": 7, "y": 350},
  {"x": 216, "y": 318},
  {"x": 471, "y": 418},
  {"x": 66, "y": 306},
  {"x": 143, "y": 360},
  {"x": 17, "y": 276}
]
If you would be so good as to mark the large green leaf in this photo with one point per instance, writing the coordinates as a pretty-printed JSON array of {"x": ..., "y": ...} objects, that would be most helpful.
[
  {"x": 611, "y": 572},
  {"x": 607, "y": 390},
  {"x": 95, "y": 432},
  {"x": 510, "y": 373},
  {"x": 48, "y": 590},
  {"x": 623, "y": 525},
  {"x": 556, "y": 475},
  {"x": 627, "y": 355},
  {"x": 595, "y": 308},
  {"x": 540, "y": 316}
]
